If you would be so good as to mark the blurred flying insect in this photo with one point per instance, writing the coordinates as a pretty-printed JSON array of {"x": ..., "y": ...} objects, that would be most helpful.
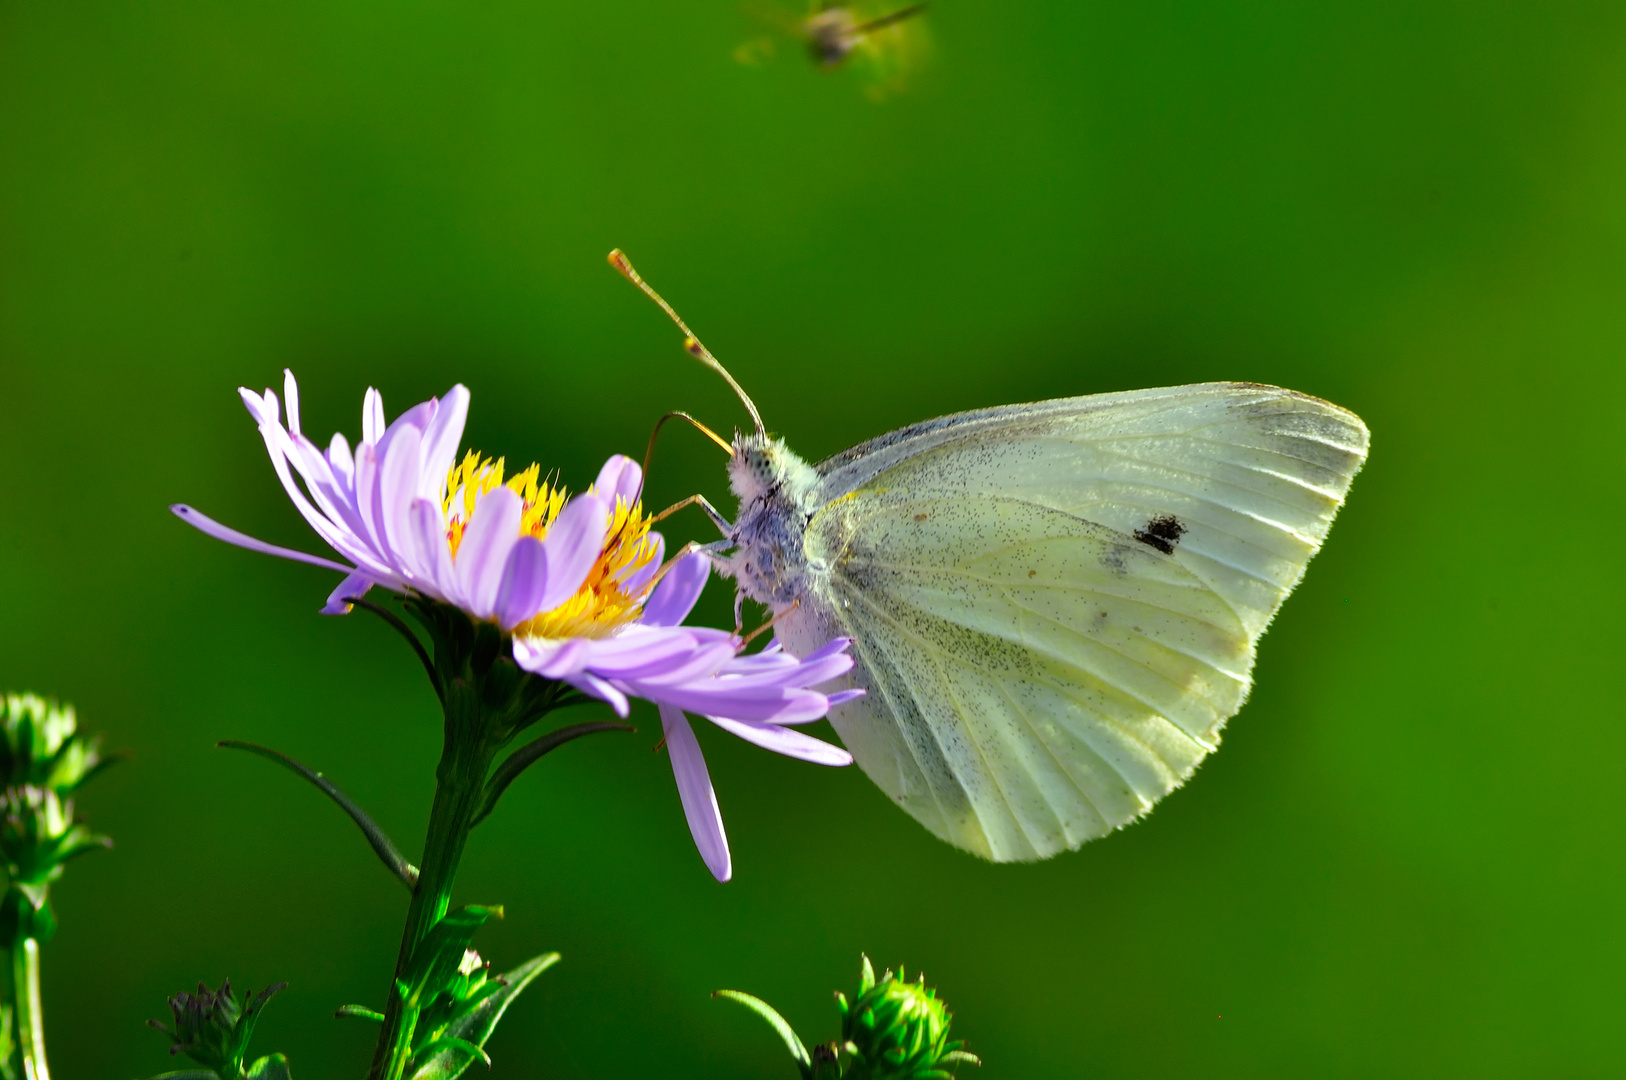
[{"x": 885, "y": 45}]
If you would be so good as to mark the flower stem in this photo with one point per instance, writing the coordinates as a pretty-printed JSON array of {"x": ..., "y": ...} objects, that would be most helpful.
[
  {"x": 459, "y": 794},
  {"x": 25, "y": 995}
]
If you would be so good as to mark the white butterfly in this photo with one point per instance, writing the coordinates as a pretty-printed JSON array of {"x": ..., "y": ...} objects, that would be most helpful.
[{"x": 1055, "y": 606}]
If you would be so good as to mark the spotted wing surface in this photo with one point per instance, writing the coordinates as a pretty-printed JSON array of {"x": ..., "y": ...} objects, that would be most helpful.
[{"x": 1056, "y": 605}]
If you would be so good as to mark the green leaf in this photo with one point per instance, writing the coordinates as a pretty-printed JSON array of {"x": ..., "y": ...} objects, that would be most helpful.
[
  {"x": 793, "y": 1042},
  {"x": 243, "y": 1030},
  {"x": 188, "y": 1074},
  {"x": 358, "y": 1012},
  {"x": 380, "y": 842},
  {"x": 87, "y": 773},
  {"x": 435, "y": 960},
  {"x": 452, "y": 1042},
  {"x": 78, "y": 841},
  {"x": 405, "y": 631},
  {"x": 525, "y": 756},
  {"x": 477, "y": 1026},
  {"x": 270, "y": 1067}
]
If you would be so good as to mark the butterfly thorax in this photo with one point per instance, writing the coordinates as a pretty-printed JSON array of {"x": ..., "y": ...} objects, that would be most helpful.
[{"x": 775, "y": 489}]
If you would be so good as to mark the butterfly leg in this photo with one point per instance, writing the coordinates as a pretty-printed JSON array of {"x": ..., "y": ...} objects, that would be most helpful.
[
  {"x": 718, "y": 551},
  {"x": 724, "y": 526}
]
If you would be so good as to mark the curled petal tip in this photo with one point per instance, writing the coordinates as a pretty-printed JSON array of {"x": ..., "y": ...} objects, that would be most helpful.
[{"x": 621, "y": 477}]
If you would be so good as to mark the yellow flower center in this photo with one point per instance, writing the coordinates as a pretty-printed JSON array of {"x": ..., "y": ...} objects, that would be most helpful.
[{"x": 605, "y": 602}]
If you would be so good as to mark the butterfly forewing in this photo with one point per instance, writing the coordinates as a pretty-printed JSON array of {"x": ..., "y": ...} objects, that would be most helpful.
[
  {"x": 1056, "y": 605},
  {"x": 1252, "y": 475}
]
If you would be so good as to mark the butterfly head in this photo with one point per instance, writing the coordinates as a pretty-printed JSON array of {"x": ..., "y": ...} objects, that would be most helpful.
[{"x": 763, "y": 466}]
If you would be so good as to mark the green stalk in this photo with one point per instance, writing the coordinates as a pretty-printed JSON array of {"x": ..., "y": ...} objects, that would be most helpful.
[
  {"x": 25, "y": 993},
  {"x": 459, "y": 794}
]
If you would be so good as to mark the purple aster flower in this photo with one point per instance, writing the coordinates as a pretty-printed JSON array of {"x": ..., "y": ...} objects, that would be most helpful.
[
  {"x": 405, "y": 518},
  {"x": 578, "y": 583}
]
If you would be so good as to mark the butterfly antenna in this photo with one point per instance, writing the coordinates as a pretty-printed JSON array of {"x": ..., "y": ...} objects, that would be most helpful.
[
  {"x": 888, "y": 20},
  {"x": 691, "y": 344},
  {"x": 649, "y": 452}
]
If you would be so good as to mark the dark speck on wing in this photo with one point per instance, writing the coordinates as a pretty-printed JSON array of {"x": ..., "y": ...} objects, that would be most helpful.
[{"x": 1162, "y": 533}]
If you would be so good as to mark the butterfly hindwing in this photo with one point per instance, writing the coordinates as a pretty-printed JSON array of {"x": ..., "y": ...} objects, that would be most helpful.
[{"x": 1050, "y": 679}]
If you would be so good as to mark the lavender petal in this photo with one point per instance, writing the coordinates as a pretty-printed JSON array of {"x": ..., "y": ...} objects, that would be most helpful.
[
  {"x": 263, "y": 409},
  {"x": 439, "y": 578},
  {"x": 492, "y": 532},
  {"x": 573, "y": 544},
  {"x": 783, "y": 741},
  {"x": 621, "y": 477},
  {"x": 372, "y": 417},
  {"x": 341, "y": 462},
  {"x": 724, "y": 697},
  {"x": 696, "y": 793},
  {"x": 524, "y": 582},
  {"x": 290, "y": 399},
  {"x": 208, "y": 525},
  {"x": 440, "y": 441},
  {"x": 397, "y": 480},
  {"x": 551, "y": 659},
  {"x": 338, "y": 601},
  {"x": 673, "y": 599},
  {"x": 640, "y": 577},
  {"x": 589, "y": 683}
]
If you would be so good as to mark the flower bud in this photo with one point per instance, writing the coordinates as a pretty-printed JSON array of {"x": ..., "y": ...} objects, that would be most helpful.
[
  {"x": 43, "y": 760},
  {"x": 826, "y": 1062},
  {"x": 898, "y": 1030},
  {"x": 213, "y": 1028},
  {"x": 41, "y": 746}
]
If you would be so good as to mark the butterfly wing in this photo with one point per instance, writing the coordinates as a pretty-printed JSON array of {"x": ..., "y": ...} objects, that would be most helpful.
[{"x": 1056, "y": 605}]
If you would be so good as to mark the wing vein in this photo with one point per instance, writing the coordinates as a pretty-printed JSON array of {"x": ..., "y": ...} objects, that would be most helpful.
[
  {"x": 903, "y": 674},
  {"x": 864, "y": 648},
  {"x": 1061, "y": 766},
  {"x": 1085, "y": 590},
  {"x": 938, "y": 659},
  {"x": 1003, "y": 587},
  {"x": 1111, "y": 722},
  {"x": 1280, "y": 526},
  {"x": 1126, "y": 691}
]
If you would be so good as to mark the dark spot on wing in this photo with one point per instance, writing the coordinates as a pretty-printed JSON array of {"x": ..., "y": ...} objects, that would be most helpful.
[
  {"x": 920, "y": 517},
  {"x": 1033, "y": 573},
  {"x": 1162, "y": 533}
]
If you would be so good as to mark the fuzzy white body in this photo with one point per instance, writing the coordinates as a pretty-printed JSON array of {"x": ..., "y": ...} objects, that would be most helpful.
[
  {"x": 776, "y": 490},
  {"x": 1055, "y": 606}
]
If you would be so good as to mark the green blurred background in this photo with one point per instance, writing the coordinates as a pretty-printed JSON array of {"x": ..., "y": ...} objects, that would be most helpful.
[{"x": 1406, "y": 862}]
